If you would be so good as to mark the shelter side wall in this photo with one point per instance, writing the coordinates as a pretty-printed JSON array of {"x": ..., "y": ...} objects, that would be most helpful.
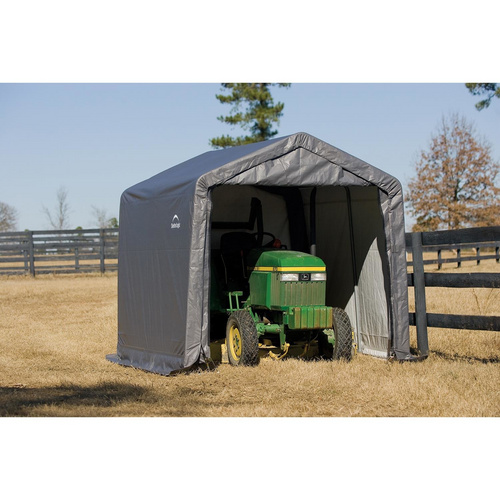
[
  {"x": 358, "y": 275},
  {"x": 197, "y": 337},
  {"x": 393, "y": 210},
  {"x": 373, "y": 278},
  {"x": 152, "y": 286}
]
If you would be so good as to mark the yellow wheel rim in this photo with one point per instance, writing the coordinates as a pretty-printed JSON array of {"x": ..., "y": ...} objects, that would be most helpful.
[{"x": 235, "y": 342}]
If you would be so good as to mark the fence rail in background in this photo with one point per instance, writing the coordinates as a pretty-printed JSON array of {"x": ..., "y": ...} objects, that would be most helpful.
[
  {"x": 72, "y": 251},
  {"x": 460, "y": 241},
  {"x": 416, "y": 244}
]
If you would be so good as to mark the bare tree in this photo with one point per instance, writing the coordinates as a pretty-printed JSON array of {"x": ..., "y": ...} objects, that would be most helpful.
[
  {"x": 59, "y": 218},
  {"x": 100, "y": 216},
  {"x": 102, "y": 219},
  {"x": 8, "y": 217},
  {"x": 454, "y": 185}
]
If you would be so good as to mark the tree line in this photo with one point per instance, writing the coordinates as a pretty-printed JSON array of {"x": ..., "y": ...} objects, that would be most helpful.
[{"x": 57, "y": 218}]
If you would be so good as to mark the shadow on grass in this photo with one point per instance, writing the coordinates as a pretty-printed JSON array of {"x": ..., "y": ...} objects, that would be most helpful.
[
  {"x": 20, "y": 401},
  {"x": 457, "y": 357}
]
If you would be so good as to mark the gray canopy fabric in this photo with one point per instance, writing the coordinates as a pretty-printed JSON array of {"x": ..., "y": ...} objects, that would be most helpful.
[{"x": 166, "y": 239}]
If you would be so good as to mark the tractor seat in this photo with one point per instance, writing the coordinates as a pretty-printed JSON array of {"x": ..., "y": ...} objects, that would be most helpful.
[{"x": 234, "y": 249}]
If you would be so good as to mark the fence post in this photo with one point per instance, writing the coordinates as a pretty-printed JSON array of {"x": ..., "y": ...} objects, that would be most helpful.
[
  {"x": 459, "y": 258},
  {"x": 26, "y": 256},
  {"x": 439, "y": 259},
  {"x": 478, "y": 255},
  {"x": 77, "y": 259},
  {"x": 497, "y": 254},
  {"x": 419, "y": 288},
  {"x": 101, "y": 249},
  {"x": 32, "y": 252}
]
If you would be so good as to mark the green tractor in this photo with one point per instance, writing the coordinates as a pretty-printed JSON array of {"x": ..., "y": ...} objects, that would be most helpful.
[{"x": 272, "y": 296}]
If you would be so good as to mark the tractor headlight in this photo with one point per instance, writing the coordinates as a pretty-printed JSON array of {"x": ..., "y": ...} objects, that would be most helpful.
[
  {"x": 289, "y": 277},
  {"x": 318, "y": 276}
]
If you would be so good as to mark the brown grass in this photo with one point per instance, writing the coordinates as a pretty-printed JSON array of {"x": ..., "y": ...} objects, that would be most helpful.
[{"x": 56, "y": 331}]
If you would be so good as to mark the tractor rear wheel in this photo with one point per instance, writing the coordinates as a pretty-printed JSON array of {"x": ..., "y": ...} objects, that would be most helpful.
[
  {"x": 343, "y": 335},
  {"x": 242, "y": 340}
]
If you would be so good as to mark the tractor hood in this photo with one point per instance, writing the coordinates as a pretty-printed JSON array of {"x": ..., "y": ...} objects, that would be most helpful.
[{"x": 284, "y": 261}]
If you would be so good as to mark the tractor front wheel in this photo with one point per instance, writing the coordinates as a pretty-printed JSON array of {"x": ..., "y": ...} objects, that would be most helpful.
[
  {"x": 341, "y": 347},
  {"x": 242, "y": 340}
]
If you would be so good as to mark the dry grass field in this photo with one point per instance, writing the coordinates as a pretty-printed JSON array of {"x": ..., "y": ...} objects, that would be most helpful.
[{"x": 56, "y": 330}]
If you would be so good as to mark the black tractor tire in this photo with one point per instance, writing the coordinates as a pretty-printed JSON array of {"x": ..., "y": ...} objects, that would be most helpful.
[
  {"x": 343, "y": 335},
  {"x": 242, "y": 339}
]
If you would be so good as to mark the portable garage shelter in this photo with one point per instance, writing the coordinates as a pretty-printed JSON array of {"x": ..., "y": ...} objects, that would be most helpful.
[{"x": 166, "y": 239}]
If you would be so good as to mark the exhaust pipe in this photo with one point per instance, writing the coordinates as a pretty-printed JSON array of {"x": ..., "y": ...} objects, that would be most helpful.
[{"x": 312, "y": 220}]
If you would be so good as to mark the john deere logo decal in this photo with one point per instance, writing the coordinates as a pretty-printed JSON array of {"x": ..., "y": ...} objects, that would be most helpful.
[{"x": 175, "y": 224}]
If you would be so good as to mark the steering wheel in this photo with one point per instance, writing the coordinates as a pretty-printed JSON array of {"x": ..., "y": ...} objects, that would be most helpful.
[{"x": 270, "y": 243}]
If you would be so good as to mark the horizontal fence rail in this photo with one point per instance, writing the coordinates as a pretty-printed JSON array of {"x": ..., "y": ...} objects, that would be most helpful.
[
  {"x": 460, "y": 322},
  {"x": 460, "y": 241},
  {"x": 466, "y": 280},
  {"x": 475, "y": 238},
  {"x": 64, "y": 251}
]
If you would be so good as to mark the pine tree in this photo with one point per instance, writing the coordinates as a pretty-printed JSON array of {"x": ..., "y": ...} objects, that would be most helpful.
[
  {"x": 258, "y": 117},
  {"x": 454, "y": 185},
  {"x": 490, "y": 89}
]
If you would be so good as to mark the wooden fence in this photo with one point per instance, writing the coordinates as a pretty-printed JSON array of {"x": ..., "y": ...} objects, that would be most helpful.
[
  {"x": 458, "y": 240},
  {"x": 96, "y": 250},
  {"x": 72, "y": 251}
]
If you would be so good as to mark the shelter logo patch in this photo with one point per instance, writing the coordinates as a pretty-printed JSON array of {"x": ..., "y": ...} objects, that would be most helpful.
[{"x": 175, "y": 224}]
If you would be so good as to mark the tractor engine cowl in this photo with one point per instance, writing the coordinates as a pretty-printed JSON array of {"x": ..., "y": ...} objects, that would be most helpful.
[{"x": 285, "y": 279}]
